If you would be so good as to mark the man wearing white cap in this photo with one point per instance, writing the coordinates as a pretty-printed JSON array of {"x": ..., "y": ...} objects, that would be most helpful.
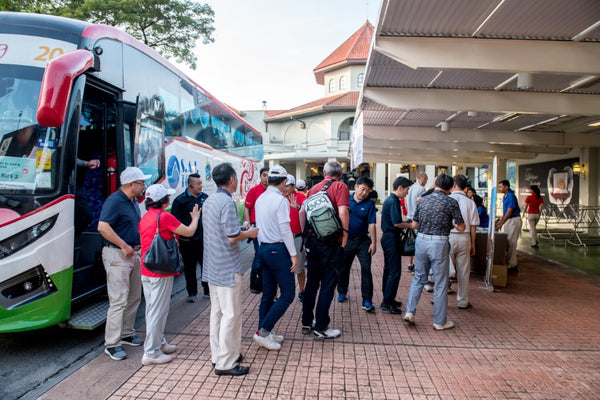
[
  {"x": 118, "y": 226},
  {"x": 277, "y": 256}
]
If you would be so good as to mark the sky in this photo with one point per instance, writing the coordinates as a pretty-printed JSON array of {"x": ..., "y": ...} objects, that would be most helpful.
[{"x": 267, "y": 49}]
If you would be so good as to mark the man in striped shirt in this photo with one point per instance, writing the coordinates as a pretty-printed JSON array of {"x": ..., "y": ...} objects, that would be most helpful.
[{"x": 223, "y": 271}]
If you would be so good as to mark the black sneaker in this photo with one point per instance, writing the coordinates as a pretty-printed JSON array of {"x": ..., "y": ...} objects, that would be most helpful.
[
  {"x": 396, "y": 303},
  {"x": 132, "y": 341},
  {"x": 391, "y": 309},
  {"x": 116, "y": 353},
  {"x": 306, "y": 329},
  {"x": 411, "y": 268},
  {"x": 301, "y": 297}
]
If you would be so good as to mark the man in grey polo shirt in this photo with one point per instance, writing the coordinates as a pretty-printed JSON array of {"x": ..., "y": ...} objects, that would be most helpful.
[
  {"x": 436, "y": 214},
  {"x": 223, "y": 271}
]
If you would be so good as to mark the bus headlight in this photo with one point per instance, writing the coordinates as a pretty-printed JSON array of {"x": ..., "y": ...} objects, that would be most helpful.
[{"x": 24, "y": 238}]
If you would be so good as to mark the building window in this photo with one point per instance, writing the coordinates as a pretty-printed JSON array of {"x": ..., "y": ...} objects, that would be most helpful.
[
  {"x": 345, "y": 129},
  {"x": 332, "y": 86},
  {"x": 360, "y": 79},
  {"x": 343, "y": 83}
]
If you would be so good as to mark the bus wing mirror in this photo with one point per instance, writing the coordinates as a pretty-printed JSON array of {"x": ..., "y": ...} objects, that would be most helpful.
[{"x": 57, "y": 82}]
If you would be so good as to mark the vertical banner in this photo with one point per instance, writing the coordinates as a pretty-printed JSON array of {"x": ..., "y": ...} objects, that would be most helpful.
[
  {"x": 356, "y": 143},
  {"x": 491, "y": 227}
]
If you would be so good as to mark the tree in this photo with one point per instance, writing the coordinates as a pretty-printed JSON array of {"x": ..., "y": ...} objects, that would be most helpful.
[{"x": 171, "y": 27}]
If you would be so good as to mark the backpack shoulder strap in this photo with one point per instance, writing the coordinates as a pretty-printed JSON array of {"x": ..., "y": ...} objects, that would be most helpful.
[{"x": 326, "y": 186}]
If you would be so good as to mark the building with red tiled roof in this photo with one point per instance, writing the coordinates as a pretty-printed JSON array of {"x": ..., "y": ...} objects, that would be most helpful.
[{"x": 303, "y": 138}]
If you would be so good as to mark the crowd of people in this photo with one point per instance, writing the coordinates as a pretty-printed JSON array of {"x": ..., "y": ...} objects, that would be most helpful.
[{"x": 285, "y": 221}]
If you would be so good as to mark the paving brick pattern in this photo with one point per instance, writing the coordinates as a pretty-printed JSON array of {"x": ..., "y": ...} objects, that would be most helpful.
[{"x": 538, "y": 338}]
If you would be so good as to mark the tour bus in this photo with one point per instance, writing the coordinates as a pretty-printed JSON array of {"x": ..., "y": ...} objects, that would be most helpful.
[{"x": 71, "y": 92}]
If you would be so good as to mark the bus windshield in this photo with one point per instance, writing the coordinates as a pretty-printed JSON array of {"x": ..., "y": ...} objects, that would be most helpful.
[{"x": 28, "y": 158}]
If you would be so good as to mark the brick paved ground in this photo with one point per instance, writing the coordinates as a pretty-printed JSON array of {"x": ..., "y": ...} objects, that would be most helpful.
[{"x": 538, "y": 338}]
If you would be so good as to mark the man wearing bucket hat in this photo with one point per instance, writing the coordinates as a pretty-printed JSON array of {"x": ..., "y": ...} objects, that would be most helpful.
[{"x": 118, "y": 226}]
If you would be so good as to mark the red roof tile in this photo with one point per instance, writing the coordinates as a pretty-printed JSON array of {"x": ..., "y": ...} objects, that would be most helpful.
[
  {"x": 348, "y": 99},
  {"x": 352, "y": 51}
]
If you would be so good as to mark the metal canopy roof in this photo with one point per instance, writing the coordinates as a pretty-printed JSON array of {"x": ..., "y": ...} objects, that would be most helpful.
[{"x": 460, "y": 81}]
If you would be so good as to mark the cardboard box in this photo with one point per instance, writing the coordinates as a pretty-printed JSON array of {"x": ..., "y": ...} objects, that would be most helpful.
[{"x": 499, "y": 275}]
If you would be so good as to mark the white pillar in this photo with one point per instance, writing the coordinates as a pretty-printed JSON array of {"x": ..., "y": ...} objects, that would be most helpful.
[
  {"x": 300, "y": 169},
  {"x": 379, "y": 179}
]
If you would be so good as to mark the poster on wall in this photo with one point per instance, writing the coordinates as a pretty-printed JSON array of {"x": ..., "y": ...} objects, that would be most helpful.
[{"x": 556, "y": 180}]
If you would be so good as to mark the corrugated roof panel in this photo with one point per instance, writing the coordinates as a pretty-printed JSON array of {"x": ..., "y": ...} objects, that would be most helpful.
[
  {"x": 435, "y": 17},
  {"x": 543, "y": 19}
]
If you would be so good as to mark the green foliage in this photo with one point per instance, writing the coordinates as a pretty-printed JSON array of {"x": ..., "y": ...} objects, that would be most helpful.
[{"x": 171, "y": 27}]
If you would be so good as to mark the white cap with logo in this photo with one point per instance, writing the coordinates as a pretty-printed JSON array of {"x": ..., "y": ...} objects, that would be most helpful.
[
  {"x": 132, "y": 174},
  {"x": 158, "y": 192}
]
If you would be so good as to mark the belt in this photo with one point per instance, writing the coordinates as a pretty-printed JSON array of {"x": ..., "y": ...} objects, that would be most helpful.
[
  {"x": 516, "y": 216},
  {"x": 271, "y": 243},
  {"x": 432, "y": 236},
  {"x": 358, "y": 238},
  {"x": 299, "y": 234},
  {"x": 134, "y": 247}
]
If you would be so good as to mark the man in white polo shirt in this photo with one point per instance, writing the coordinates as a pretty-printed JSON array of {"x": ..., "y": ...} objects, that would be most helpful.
[
  {"x": 462, "y": 244},
  {"x": 277, "y": 256}
]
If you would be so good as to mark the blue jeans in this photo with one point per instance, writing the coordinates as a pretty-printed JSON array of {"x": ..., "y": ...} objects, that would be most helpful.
[
  {"x": 276, "y": 263},
  {"x": 431, "y": 254},
  {"x": 323, "y": 261},
  {"x": 392, "y": 266}
]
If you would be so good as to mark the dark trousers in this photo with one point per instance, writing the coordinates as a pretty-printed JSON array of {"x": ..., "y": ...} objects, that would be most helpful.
[
  {"x": 323, "y": 259},
  {"x": 192, "y": 252},
  {"x": 276, "y": 263},
  {"x": 255, "y": 261},
  {"x": 392, "y": 266},
  {"x": 357, "y": 248}
]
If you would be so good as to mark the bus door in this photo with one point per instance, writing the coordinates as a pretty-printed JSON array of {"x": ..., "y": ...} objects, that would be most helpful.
[{"x": 98, "y": 147}]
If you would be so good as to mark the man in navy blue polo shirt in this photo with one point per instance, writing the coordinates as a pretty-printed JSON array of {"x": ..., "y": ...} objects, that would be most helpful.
[
  {"x": 121, "y": 254},
  {"x": 192, "y": 249},
  {"x": 391, "y": 226},
  {"x": 511, "y": 221},
  {"x": 362, "y": 222}
]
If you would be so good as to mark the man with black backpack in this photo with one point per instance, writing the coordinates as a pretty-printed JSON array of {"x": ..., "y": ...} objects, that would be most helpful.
[{"x": 326, "y": 213}]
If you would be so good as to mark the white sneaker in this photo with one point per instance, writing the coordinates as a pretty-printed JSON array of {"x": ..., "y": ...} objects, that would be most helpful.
[
  {"x": 447, "y": 325},
  {"x": 428, "y": 288},
  {"x": 159, "y": 359},
  {"x": 267, "y": 342},
  {"x": 409, "y": 317},
  {"x": 277, "y": 338},
  {"x": 327, "y": 334},
  {"x": 168, "y": 348}
]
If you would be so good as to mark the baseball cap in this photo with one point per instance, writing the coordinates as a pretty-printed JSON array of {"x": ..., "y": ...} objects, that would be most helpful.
[
  {"x": 300, "y": 184},
  {"x": 290, "y": 180},
  {"x": 277, "y": 170},
  {"x": 132, "y": 174},
  {"x": 157, "y": 192}
]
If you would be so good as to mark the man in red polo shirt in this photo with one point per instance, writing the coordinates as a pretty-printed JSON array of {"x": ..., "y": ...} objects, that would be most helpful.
[
  {"x": 324, "y": 256},
  {"x": 250, "y": 219}
]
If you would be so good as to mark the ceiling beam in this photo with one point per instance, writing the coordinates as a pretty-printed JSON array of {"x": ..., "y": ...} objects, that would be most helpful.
[
  {"x": 484, "y": 101},
  {"x": 491, "y": 136},
  {"x": 463, "y": 147},
  {"x": 416, "y": 159},
  {"x": 498, "y": 55},
  {"x": 437, "y": 153}
]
